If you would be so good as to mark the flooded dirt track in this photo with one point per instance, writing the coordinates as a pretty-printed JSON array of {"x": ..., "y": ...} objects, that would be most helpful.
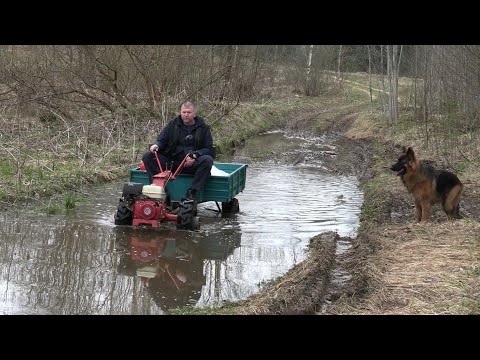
[{"x": 80, "y": 263}]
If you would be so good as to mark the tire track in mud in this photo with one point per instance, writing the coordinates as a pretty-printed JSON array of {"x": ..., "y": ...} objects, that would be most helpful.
[
  {"x": 326, "y": 272},
  {"x": 298, "y": 291}
]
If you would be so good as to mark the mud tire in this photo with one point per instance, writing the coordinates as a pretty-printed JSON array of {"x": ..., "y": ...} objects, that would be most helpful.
[
  {"x": 230, "y": 207},
  {"x": 187, "y": 219},
  {"x": 123, "y": 215}
]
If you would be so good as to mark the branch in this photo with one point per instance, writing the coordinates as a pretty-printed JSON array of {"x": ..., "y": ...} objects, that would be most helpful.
[
  {"x": 466, "y": 158},
  {"x": 208, "y": 83},
  {"x": 8, "y": 151}
]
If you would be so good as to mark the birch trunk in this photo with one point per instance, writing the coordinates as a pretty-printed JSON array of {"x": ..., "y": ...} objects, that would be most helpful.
[
  {"x": 370, "y": 77},
  {"x": 309, "y": 67}
]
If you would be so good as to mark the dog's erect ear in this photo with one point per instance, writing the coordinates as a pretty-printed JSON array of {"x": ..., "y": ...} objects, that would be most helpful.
[
  {"x": 410, "y": 153},
  {"x": 404, "y": 149}
]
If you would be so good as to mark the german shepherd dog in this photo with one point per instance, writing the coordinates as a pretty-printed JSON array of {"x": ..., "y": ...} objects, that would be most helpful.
[{"x": 428, "y": 185}]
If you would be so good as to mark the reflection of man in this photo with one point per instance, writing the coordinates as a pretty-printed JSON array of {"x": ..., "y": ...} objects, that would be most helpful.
[{"x": 178, "y": 283}]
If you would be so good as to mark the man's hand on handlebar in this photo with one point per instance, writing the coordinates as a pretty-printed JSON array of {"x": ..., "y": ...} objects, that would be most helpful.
[
  {"x": 193, "y": 155},
  {"x": 191, "y": 158}
]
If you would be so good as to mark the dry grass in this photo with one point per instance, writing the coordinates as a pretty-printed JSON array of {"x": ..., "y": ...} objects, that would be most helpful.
[
  {"x": 425, "y": 268},
  {"x": 366, "y": 126}
]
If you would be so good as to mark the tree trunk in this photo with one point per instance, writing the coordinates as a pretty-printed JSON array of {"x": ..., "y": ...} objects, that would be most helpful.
[
  {"x": 370, "y": 77},
  {"x": 384, "y": 95},
  {"x": 309, "y": 68},
  {"x": 426, "y": 83},
  {"x": 229, "y": 63},
  {"x": 394, "y": 56},
  {"x": 390, "y": 85},
  {"x": 415, "y": 81},
  {"x": 339, "y": 64}
]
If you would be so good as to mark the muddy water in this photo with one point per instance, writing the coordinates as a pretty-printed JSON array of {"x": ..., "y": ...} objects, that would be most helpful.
[{"x": 80, "y": 263}]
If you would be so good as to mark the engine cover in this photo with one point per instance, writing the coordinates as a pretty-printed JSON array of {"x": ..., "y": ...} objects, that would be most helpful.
[{"x": 147, "y": 212}]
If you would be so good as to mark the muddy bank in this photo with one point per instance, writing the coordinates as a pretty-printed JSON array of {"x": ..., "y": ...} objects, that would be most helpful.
[{"x": 298, "y": 290}]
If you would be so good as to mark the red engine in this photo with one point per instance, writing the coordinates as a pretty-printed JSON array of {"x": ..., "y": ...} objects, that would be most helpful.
[
  {"x": 151, "y": 212},
  {"x": 146, "y": 212}
]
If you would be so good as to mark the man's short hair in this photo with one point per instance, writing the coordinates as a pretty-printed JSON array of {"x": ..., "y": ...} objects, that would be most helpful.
[{"x": 188, "y": 104}]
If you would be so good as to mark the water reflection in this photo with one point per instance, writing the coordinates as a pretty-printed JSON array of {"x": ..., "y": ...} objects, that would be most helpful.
[
  {"x": 52, "y": 266},
  {"x": 170, "y": 264}
]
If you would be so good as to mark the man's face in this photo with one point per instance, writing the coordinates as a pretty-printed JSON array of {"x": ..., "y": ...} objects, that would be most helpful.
[{"x": 187, "y": 114}]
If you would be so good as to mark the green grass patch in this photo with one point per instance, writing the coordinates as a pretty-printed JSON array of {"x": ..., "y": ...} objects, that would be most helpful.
[
  {"x": 229, "y": 308},
  {"x": 70, "y": 201},
  {"x": 8, "y": 169},
  {"x": 460, "y": 166},
  {"x": 369, "y": 211},
  {"x": 357, "y": 95},
  {"x": 52, "y": 209},
  {"x": 3, "y": 195},
  {"x": 374, "y": 194},
  {"x": 476, "y": 271}
]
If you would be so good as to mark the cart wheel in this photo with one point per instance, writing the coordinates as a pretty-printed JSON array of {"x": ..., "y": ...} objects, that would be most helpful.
[
  {"x": 123, "y": 215},
  {"x": 230, "y": 207}
]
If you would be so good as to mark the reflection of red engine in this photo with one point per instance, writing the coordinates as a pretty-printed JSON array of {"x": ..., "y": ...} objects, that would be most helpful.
[{"x": 144, "y": 251}]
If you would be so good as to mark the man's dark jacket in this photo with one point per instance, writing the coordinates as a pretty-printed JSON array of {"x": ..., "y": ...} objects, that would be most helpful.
[{"x": 174, "y": 140}]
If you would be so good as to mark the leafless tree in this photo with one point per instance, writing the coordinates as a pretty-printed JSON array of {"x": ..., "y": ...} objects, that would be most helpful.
[{"x": 309, "y": 69}]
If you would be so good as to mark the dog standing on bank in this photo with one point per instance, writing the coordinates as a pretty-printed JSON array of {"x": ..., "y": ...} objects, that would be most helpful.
[{"x": 428, "y": 185}]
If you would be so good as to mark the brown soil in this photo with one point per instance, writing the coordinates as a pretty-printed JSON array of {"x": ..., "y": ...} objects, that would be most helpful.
[{"x": 393, "y": 263}]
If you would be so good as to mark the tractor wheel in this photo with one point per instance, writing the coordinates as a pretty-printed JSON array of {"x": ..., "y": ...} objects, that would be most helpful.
[
  {"x": 123, "y": 215},
  {"x": 186, "y": 216},
  {"x": 231, "y": 207}
]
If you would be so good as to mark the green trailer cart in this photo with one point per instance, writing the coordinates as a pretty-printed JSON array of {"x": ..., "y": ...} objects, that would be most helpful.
[
  {"x": 221, "y": 189},
  {"x": 143, "y": 203}
]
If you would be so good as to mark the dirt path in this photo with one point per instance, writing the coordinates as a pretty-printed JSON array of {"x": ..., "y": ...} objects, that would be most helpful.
[
  {"x": 361, "y": 87},
  {"x": 364, "y": 88}
]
